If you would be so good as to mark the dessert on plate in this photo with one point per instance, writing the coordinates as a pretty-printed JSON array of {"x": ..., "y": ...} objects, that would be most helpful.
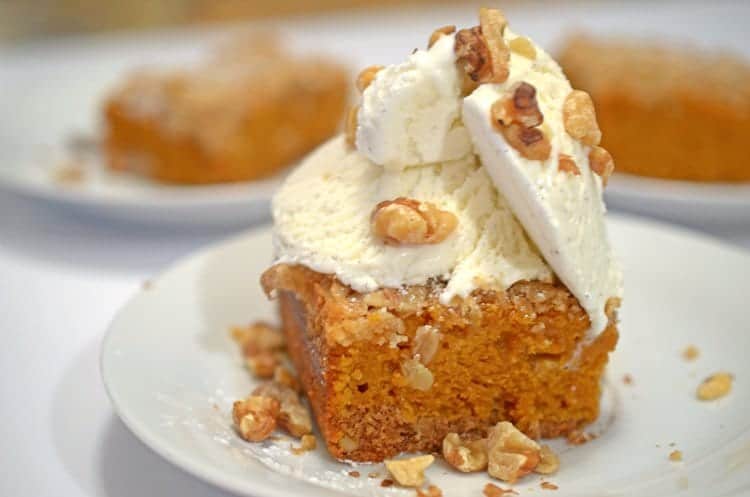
[
  {"x": 666, "y": 112},
  {"x": 444, "y": 266},
  {"x": 247, "y": 112}
]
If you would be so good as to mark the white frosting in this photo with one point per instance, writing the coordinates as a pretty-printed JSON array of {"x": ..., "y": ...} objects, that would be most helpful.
[
  {"x": 420, "y": 137},
  {"x": 322, "y": 220}
]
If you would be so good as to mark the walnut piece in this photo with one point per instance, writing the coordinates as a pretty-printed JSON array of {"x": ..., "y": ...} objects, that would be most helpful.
[
  {"x": 258, "y": 337},
  {"x": 293, "y": 416},
  {"x": 285, "y": 377},
  {"x": 473, "y": 55},
  {"x": 523, "y": 46},
  {"x": 600, "y": 161},
  {"x": 511, "y": 454},
  {"x": 409, "y": 472},
  {"x": 432, "y": 491},
  {"x": 426, "y": 342},
  {"x": 579, "y": 118},
  {"x": 549, "y": 462},
  {"x": 492, "y": 490},
  {"x": 530, "y": 143},
  {"x": 307, "y": 443},
  {"x": 406, "y": 221},
  {"x": 262, "y": 364},
  {"x": 565, "y": 163},
  {"x": 715, "y": 386},
  {"x": 518, "y": 105},
  {"x": 351, "y": 126},
  {"x": 255, "y": 417},
  {"x": 465, "y": 456},
  {"x": 548, "y": 485},
  {"x": 417, "y": 375},
  {"x": 439, "y": 33},
  {"x": 492, "y": 23},
  {"x": 367, "y": 76}
]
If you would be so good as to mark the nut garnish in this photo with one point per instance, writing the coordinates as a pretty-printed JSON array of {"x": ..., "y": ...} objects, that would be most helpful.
[
  {"x": 263, "y": 364},
  {"x": 492, "y": 23},
  {"x": 579, "y": 118},
  {"x": 258, "y": 337},
  {"x": 409, "y": 472},
  {"x": 511, "y": 453},
  {"x": 531, "y": 143},
  {"x": 366, "y": 76},
  {"x": 690, "y": 353},
  {"x": 473, "y": 55},
  {"x": 523, "y": 46},
  {"x": 675, "y": 456},
  {"x": 549, "y": 462},
  {"x": 566, "y": 164},
  {"x": 601, "y": 163},
  {"x": 351, "y": 126},
  {"x": 519, "y": 105},
  {"x": 285, "y": 377},
  {"x": 255, "y": 417},
  {"x": 407, "y": 221},
  {"x": 548, "y": 485},
  {"x": 715, "y": 386},
  {"x": 579, "y": 437},
  {"x": 466, "y": 456},
  {"x": 426, "y": 341},
  {"x": 307, "y": 443},
  {"x": 293, "y": 416},
  {"x": 439, "y": 33},
  {"x": 417, "y": 375},
  {"x": 492, "y": 490},
  {"x": 432, "y": 491}
]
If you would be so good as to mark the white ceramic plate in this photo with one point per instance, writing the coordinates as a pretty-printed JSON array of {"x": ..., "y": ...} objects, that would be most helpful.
[
  {"x": 51, "y": 89},
  {"x": 702, "y": 205},
  {"x": 172, "y": 373}
]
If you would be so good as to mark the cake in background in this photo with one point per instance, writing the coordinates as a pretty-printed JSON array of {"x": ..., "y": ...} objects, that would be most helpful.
[
  {"x": 246, "y": 112},
  {"x": 444, "y": 266},
  {"x": 666, "y": 112}
]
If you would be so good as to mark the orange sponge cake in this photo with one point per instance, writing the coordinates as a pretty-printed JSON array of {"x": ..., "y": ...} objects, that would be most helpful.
[
  {"x": 444, "y": 266},
  {"x": 234, "y": 118},
  {"x": 666, "y": 112}
]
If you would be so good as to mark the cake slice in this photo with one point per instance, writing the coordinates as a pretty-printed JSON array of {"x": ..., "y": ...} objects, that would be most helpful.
[
  {"x": 244, "y": 114},
  {"x": 667, "y": 112},
  {"x": 444, "y": 265}
]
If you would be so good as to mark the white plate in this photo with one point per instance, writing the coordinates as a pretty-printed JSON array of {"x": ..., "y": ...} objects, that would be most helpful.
[
  {"x": 172, "y": 373},
  {"x": 49, "y": 90},
  {"x": 703, "y": 205}
]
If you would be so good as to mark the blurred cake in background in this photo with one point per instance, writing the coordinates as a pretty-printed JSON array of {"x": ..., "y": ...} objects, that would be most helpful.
[
  {"x": 246, "y": 112},
  {"x": 666, "y": 112}
]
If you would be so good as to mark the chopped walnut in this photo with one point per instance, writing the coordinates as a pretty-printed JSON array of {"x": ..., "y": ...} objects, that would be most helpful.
[
  {"x": 675, "y": 456},
  {"x": 407, "y": 221},
  {"x": 439, "y": 33},
  {"x": 285, "y": 377},
  {"x": 565, "y": 163},
  {"x": 426, "y": 342},
  {"x": 387, "y": 482},
  {"x": 690, "y": 353},
  {"x": 465, "y": 456},
  {"x": 579, "y": 118},
  {"x": 511, "y": 453},
  {"x": 258, "y": 337},
  {"x": 549, "y": 462},
  {"x": 351, "y": 126},
  {"x": 530, "y": 143},
  {"x": 255, "y": 417},
  {"x": 518, "y": 105},
  {"x": 492, "y": 23},
  {"x": 262, "y": 364},
  {"x": 523, "y": 46},
  {"x": 579, "y": 437},
  {"x": 293, "y": 416},
  {"x": 492, "y": 490},
  {"x": 417, "y": 375},
  {"x": 473, "y": 56},
  {"x": 548, "y": 485},
  {"x": 367, "y": 76},
  {"x": 432, "y": 491},
  {"x": 354, "y": 474},
  {"x": 715, "y": 386},
  {"x": 601, "y": 163},
  {"x": 307, "y": 443},
  {"x": 409, "y": 472}
]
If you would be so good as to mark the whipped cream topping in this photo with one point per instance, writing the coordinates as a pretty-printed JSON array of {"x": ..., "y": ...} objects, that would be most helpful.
[{"x": 417, "y": 137}]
